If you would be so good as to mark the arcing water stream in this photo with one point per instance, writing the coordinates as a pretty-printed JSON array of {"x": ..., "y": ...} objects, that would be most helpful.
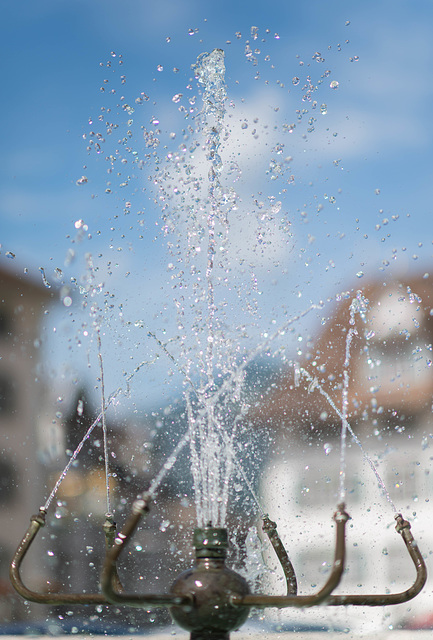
[{"x": 210, "y": 359}]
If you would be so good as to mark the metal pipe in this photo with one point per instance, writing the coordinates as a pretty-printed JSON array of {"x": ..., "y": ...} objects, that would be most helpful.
[
  {"x": 113, "y": 591},
  {"x": 109, "y": 588},
  {"x": 109, "y": 527},
  {"x": 263, "y": 601},
  {"x": 36, "y": 523},
  {"x": 270, "y": 528},
  {"x": 403, "y": 528}
]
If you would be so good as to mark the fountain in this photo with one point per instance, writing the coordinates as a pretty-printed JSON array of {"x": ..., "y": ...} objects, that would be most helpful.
[{"x": 210, "y": 600}]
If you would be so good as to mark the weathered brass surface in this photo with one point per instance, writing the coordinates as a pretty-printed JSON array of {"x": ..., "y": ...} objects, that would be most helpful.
[{"x": 210, "y": 600}]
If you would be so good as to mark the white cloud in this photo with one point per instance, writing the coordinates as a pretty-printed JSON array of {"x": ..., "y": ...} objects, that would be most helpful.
[
  {"x": 362, "y": 132},
  {"x": 257, "y": 230}
]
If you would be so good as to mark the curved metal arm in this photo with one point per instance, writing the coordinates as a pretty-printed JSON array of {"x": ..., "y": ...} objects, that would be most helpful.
[
  {"x": 109, "y": 589},
  {"x": 403, "y": 528},
  {"x": 36, "y": 523},
  {"x": 263, "y": 601},
  {"x": 270, "y": 528}
]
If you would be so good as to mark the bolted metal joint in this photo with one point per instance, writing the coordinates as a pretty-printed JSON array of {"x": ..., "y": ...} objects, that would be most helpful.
[
  {"x": 341, "y": 514},
  {"x": 401, "y": 523}
]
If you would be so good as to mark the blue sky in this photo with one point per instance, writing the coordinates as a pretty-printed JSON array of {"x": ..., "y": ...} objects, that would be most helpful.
[{"x": 359, "y": 201}]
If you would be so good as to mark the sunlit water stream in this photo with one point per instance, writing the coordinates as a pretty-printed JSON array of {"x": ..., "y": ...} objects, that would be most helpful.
[{"x": 211, "y": 354}]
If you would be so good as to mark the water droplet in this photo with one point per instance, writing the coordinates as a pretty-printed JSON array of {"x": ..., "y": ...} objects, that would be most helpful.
[
  {"x": 425, "y": 443},
  {"x": 160, "y": 67},
  {"x": 10, "y": 255},
  {"x": 295, "y": 80},
  {"x": 164, "y": 524},
  {"x": 334, "y": 84},
  {"x": 328, "y": 448},
  {"x": 313, "y": 384},
  {"x": 360, "y": 274},
  {"x": 177, "y": 97},
  {"x": 44, "y": 278},
  {"x": 318, "y": 57}
]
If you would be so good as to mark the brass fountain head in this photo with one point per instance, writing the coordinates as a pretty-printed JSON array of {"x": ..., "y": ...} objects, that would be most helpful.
[
  {"x": 212, "y": 585},
  {"x": 210, "y": 600}
]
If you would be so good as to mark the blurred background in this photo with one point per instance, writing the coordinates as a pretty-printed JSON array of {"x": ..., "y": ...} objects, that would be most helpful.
[{"x": 327, "y": 188}]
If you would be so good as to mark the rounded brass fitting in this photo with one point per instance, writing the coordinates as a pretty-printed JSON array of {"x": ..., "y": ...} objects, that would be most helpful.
[{"x": 211, "y": 586}]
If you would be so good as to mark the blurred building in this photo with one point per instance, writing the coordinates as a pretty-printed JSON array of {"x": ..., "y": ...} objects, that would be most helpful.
[
  {"x": 389, "y": 407},
  {"x": 22, "y": 303}
]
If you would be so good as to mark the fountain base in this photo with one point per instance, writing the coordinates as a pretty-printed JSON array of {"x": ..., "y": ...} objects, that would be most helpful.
[{"x": 212, "y": 586}]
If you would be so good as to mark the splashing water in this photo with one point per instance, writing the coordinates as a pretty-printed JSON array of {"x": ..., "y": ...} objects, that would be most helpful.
[
  {"x": 44, "y": 278},
  {"x": 211, "y": 446},
  {"x": 359, "y": 305},
  {"x": 209, "y": 357},
  {"x": 96, "y": 422},
  {"x": 207, "y": 362},
  {"x": 355, "y": 438},
  {"x": 104, "y": 424}
]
